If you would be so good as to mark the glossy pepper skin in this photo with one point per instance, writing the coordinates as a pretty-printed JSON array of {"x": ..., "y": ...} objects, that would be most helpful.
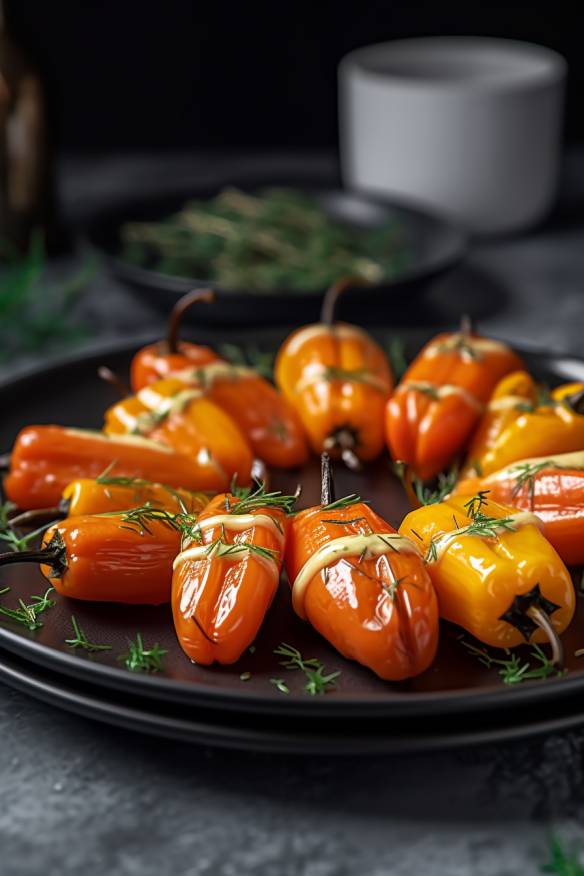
[
  {"x": 191, "y": 424},
  {"x": 102, "y": 559},
  {"x": 160, "y": 360},
  {"x": 45, "y": 459},
  {"x": 379, "y": 610},
  {"x": 267, "y": 419},
  {"x": 439, "y": 402},
  {"x": 488, "y": 583},
  {"x": 552, "y": 488},
  {"x": 220, "y": 595},
  {"x": 89, "y": 496},
  {"x": 338, "y": 379},
  {"x": 514, "y": 394},
  {"x": 550, "y": 426}
]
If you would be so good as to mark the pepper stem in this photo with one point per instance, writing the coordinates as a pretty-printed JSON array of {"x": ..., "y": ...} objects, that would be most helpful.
[
  {"x": 178, "y": 311},
  {"x": 38, "y": 515},
  {"x": 332, "y": 295},
  {"x": 38, "y": 556},
  {"x": 5, "y": 462},
  {"x": 327, "y": 486},
  {"x": 108, "y": 376},
  {"x": 539, "y": 617},
  {"x": 466, "y": 326},
  {"x": 407, "y": 476}
]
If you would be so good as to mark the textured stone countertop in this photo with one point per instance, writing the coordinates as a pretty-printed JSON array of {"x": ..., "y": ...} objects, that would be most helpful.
[{"x": 81, "y": 797}]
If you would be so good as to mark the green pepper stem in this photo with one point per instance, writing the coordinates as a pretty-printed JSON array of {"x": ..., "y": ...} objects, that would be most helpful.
[
  {"x": 108, "y": 376},
  {"x": 327, "y": 486},
  {"x": 539, "y": 617},
  {"x": 332, "y": 295},
  {"x": 178, "y": 311},
  {"x": 38, "y": 515}
]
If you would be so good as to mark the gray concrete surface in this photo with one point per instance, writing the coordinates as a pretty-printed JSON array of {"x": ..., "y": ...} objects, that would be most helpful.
[{"x": 79, "y": 797}]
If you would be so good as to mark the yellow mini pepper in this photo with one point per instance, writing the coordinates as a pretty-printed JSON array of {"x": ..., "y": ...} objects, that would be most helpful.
[
  {"x": 495, "y": 573},
  {"x": 520, "y": 423}
]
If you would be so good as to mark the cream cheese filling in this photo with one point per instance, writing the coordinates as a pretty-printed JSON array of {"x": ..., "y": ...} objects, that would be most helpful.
[{"x": 373, "y": 544}]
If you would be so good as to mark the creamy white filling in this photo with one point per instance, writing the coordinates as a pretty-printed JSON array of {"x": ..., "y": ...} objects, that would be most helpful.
[
  {"x": 506, "y": 402},
  {"x": 241, "y": 522},
  {"x": 474, "y": 347},
  {"x": 559, "y": 461},
  {"x": 374, "y": 544},
  {"x": 133, "y": 440},
  {"x": 317, "y": 372},
  {"x": 441, "y": 544},
  {"x": 206, "y": 375},
  {"x": 319, "y": 330},
  {"x": 236, "y": 552}
]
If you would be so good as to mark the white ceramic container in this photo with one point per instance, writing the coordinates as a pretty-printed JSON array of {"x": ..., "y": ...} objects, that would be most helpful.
[{"x": 466, "y": 126}]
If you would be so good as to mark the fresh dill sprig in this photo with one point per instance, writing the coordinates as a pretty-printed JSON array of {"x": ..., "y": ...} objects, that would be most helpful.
[
  {"x": 137, "y": 519},
  {"x": 561, "y": 863},
  {"x": 526, "y": 474},
  {"x": 445, "y": 483},
  {"x": 6, "y": 509},
  {"x": 280, "y": 685},
  {"x": 316, "y": 680},
  {"x": 81, "y": 640},
  {"x": 260, "y": 498},
  {"x": 345, "y": 502},
  {"x": 482, "y": 524},
  {"x": 141, "y": 659},
  {"x": 512, "y": 669},
  {"x": 226, "y": 550},
  {"x": 250, "y": 357},
  {"x": 27, "y": 614},
  {"x": 19, "y": 543}
]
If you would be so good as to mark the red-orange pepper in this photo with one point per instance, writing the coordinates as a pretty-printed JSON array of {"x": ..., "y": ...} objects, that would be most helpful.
[
  {"x": 551, "y": 487},
  {"x": 338, "y": 379},
  {"x": 227, "y": 575},
  {"x": 269, "y": 422},
  {"x": 45, "y": 459},
  {"x": 191, "y": 424},
  {"x": 436, "y": 407},
  {"x": 362, "y": 586},
  {"x": 160, "y": 360},
  {"x": 124, "y": 557}
]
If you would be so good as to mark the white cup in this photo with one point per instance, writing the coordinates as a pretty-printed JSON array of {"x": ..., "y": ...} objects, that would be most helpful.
[{"x": 467, "y": 126}]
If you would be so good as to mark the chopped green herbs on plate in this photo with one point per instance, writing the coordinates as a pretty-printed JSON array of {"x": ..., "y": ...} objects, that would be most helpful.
[{"x": 277, "y": 239}]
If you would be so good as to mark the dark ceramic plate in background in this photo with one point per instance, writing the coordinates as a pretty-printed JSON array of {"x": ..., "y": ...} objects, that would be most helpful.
[
  {"x": 455, "y": 688},
  {"x": 435, "y": 246}
]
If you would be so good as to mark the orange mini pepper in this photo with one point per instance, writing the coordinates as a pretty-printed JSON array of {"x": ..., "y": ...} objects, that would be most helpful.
[
  {"x": 551, "y": 424},
  {"x": 495, "y": 573},
  {"x": 338, "y": 379},
  {"x": 194, "y": 426},
  {"x": 512, "y": 396},
  {"x": 160, "y": 360},
  {"x": 45, "y": 459},
  {"x": 227, "y": 574},
  {"x": 124, "y": 557},
  {"x": 439, "y": 402},
  {"x": 551, "y": 487},
  {"x": 362, "y": 586}
]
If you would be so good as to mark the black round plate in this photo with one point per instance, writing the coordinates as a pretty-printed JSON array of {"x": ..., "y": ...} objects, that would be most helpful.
[
  {"x": 435, "y": 246},
  {"x": 456, "y": 685}
]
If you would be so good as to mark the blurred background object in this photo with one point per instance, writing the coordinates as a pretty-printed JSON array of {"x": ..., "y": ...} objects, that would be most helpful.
[
  {"x": 469, "y": 127},
  {"x": 25, "y": 163}
]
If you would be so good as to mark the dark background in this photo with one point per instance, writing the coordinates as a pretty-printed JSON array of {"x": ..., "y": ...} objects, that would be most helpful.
[{"x": 152, "y": 74}]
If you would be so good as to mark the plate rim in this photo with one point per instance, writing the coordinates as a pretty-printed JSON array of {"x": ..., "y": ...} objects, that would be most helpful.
[{"x": 456, "y": 701}]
